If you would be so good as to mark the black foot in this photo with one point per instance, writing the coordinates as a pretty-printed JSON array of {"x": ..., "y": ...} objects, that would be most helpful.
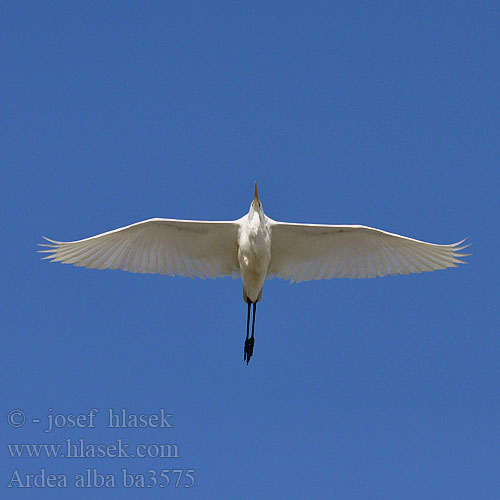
[{"x": 248, "y": 349}]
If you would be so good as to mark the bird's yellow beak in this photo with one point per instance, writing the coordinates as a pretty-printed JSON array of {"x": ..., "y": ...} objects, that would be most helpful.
[{"x": 255, "y": 196}]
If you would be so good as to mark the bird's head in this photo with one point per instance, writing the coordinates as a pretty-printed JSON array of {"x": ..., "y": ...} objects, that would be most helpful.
[{"x": 256, "y": 204}]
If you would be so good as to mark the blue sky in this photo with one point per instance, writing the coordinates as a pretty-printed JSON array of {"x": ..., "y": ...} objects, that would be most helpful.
[{"x": 384, "y": 114}]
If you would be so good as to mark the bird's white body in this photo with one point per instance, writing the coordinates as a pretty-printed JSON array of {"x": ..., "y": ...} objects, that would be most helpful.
[{"x": 254, "y": 252}]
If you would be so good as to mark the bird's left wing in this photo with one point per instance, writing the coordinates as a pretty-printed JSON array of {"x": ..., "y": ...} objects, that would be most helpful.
[
  {"x": 163, "y": 246},
  {"x": 302, "y": 252}
]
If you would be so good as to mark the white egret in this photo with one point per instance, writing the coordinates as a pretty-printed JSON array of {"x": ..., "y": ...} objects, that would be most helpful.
[{"x": 255, "y": 247}]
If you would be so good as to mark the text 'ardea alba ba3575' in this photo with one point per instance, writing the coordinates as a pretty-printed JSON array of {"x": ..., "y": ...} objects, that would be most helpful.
[{"x": 255, "y": 247}]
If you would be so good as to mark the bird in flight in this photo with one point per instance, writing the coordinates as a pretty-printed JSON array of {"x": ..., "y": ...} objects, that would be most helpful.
[{"x": 254, "y": 247}]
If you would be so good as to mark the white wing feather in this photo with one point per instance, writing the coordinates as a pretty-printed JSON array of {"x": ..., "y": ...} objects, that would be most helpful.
[
  {"x": 303, "y": 252},
  {"x": 162, "y": 246}
]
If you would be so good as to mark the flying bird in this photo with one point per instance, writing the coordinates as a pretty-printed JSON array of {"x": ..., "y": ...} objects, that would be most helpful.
[{"x": 254, "y": 247}]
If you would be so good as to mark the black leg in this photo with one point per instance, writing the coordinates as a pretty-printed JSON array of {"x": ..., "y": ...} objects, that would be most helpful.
[
  {"x": 248, "y": 324},
  {"x": 253, "y": 319},
  {"x": 248, "y": 317},
  {"x": 249, "y": 342}
]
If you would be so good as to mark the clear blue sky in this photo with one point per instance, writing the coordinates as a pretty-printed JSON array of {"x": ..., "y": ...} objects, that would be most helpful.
[{"x": 383, "y": 113}]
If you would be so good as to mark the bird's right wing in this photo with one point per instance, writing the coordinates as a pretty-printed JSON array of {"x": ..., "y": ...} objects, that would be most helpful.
[
  {"x": 302, "y": 252},
  {"x": 163, "y": 246}
]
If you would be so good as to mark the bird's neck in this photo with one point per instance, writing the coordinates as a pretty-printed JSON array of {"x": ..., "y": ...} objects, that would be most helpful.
[{"x": 256, "y": 219}]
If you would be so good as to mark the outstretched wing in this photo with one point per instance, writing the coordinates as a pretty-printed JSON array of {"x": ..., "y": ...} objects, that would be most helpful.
[
  {"x": 303, "y": 252},
  {"x": 163, "y": 246}
]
